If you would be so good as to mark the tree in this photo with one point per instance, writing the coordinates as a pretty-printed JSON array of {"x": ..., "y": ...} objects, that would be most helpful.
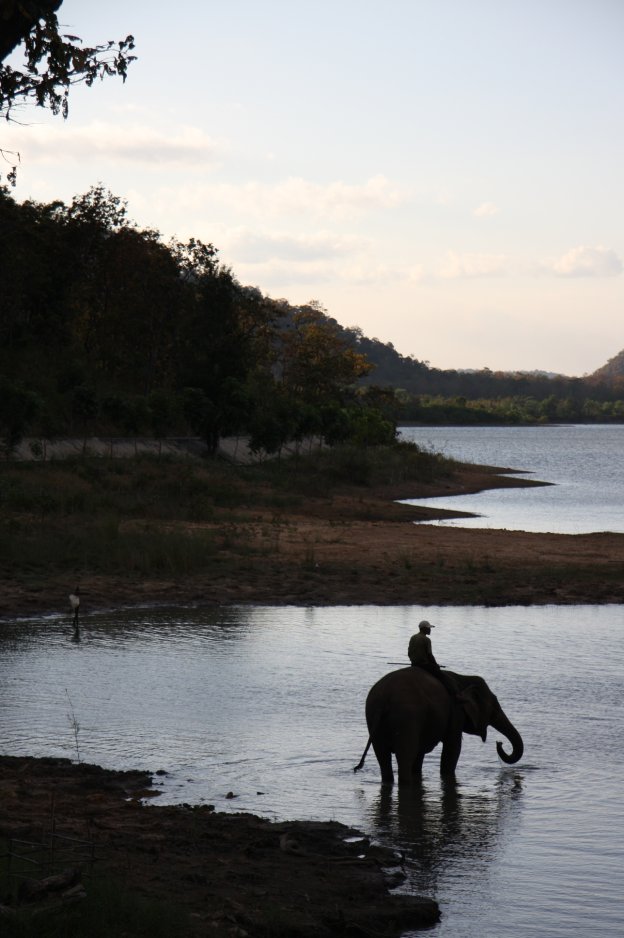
[
  {"x": 315, "y": 361},
  {"x": 125, "y": 289},
  {"x": 223, "y": 326},
  {"x": 53, "y": 61}
]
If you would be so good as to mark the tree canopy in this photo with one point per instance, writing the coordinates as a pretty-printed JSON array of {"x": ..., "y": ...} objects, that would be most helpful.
[{"x": 107, "y": 327}]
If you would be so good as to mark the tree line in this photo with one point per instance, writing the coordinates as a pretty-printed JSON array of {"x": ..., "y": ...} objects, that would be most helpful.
[
  {"x": 417, "y": 378},
  {"x": 106, "y": 328},
  {"x": 513, "y": 410}
]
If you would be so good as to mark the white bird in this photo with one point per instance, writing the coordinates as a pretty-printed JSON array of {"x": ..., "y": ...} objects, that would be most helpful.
[{"x": 74, "y": 602}]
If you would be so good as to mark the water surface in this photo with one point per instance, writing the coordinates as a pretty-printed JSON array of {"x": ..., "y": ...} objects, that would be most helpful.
[
  {"x": 585, "y": 463},
  {"x": 268, "y": 703}
]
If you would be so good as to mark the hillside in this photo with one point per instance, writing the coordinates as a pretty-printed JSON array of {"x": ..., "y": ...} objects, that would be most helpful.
[
  {"x": 419, "y": 378},
  {"x": 614, "y": 368}
]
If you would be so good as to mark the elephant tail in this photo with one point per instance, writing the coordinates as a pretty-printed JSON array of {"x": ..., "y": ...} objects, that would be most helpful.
[{"x": 363, "y": 759}]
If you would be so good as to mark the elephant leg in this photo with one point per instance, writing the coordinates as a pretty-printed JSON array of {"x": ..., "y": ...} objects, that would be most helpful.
[
  {"x": 417, "y": 765},
  {"x": 409, "y": 762},
  {"x": 451, "y": 749},
  {"x": 384, "y": 758}
]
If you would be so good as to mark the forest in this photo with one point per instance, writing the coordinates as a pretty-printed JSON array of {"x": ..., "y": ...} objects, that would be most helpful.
[{"x": 106, "y": 329}]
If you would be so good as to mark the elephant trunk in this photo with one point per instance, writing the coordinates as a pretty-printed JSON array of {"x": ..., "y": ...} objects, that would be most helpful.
[{"x": 506, "y": 727}]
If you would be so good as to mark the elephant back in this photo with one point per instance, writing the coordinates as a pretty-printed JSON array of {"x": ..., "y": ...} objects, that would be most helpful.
[{"x": 400, "y": 691}]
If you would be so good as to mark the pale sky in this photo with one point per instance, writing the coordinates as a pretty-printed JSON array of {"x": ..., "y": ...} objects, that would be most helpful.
[{"x": 444, "y": 174}]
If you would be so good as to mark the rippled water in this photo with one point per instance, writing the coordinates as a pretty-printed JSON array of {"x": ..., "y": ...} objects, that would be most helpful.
[
  {"x": 584, "y": 463},
  {"x": 268, "y": 703}
]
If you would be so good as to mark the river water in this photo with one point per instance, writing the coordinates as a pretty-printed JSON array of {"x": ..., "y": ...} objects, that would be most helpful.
[
  {"x": 585, "y": 463},
  {"x": 268, "y": 703}
]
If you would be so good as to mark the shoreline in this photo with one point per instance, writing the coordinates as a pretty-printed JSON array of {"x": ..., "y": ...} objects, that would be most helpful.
[
  {"x": 224, "y": 874},
  {"x": 357, "y": 547}
]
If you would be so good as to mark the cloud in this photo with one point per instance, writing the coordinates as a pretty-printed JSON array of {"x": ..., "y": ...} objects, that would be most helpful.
[
  {"x": 588, "y": 262},
  {"x": 278, "y": 261},
  {"x": 291, "y": 197},
  {"x": 459, "y": 266},
  {"x": 485, "y": 209},
  {"x": 135, "y": 143},
  {"x": 278, "y": 274},
  {"x": 250, "y": 246},
  {"x": 415, "y": 274}
]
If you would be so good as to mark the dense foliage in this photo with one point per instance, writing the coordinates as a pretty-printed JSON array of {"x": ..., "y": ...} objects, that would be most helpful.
[{"x": 105, "y": 328}]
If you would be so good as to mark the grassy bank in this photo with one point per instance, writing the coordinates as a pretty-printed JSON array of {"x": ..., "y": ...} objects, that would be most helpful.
[
  {"x": 152, "y": 516},
  {"x": 322, "y": 529}
]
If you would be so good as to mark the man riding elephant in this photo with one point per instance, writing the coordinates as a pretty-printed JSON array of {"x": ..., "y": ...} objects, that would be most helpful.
[{"x": 420, "y": 654}]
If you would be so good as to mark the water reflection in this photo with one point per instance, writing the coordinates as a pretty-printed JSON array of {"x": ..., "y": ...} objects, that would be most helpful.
[
  {"x": 181, "y": 624},
  {"x": 446, "y": 832}
]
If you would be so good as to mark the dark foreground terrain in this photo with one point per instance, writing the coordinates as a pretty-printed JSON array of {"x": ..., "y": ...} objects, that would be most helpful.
[{"x": 225, "y": 874}]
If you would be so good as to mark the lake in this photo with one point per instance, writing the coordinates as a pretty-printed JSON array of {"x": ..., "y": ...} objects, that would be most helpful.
[
  {"x": 268, "y": 703},
  {"x": 584, "y": 462}
]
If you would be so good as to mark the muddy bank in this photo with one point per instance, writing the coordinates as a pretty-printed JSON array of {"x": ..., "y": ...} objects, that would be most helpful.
[{"x": 229, "y": 874}]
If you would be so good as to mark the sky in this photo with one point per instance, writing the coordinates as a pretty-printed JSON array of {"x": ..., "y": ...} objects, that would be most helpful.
[{"x": 447, "y": 175}]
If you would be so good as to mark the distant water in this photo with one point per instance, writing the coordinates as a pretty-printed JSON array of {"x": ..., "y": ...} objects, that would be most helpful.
[
  {"x": 268, "y": 702},
  {"x": 585, "y": 463}
]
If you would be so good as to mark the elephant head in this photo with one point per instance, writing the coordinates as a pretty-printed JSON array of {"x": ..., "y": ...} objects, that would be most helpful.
[{"x": 482, "y": 709}]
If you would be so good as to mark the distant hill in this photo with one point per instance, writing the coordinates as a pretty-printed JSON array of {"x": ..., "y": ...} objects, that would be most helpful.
[
  {"x": 418, "y": 378},
  {"x": 613, "y": 369}
]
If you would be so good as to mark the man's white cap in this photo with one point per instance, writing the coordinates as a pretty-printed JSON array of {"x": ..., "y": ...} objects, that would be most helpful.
[{"x": 425, "y": 625}]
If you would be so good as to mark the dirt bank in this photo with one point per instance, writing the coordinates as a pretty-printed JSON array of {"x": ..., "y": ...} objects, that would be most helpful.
[{"x": 234, "y": 875}]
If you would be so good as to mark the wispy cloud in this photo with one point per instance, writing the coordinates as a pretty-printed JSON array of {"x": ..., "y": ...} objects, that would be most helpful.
[
  {"x": 134, "y": 143},
  {"x": 292, "y": 197},
  {"x": 587, "y": 262},
  {"x": 249, "y": 246},
  {"x": 485, "y": 209},
  {"x": 279, "y": 274},
  {"x": 280, "y": 260},
  {"x": 459, "y": 266}
]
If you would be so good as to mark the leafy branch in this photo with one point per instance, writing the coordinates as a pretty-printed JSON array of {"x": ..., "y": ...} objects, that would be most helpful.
[{"x": 54, "y": 62}]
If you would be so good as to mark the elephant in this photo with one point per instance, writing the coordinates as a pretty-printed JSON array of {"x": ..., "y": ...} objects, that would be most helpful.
[{"x": 410, "y": 711}]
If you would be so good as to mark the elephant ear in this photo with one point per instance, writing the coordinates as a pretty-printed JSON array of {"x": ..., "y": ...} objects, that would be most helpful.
[{"x": 474, "y": 708}]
